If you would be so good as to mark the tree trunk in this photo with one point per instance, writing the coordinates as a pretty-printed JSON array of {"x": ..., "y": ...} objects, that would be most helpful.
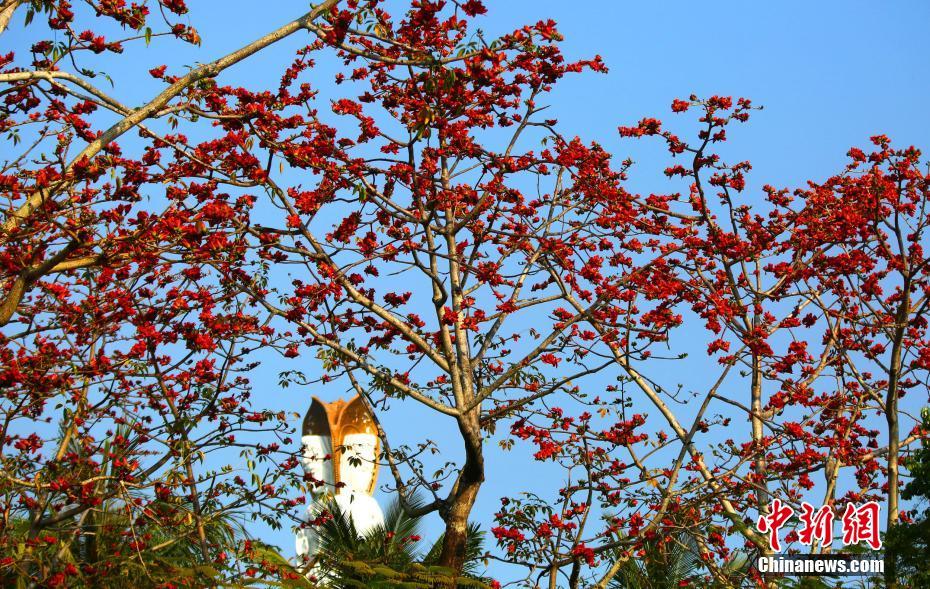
[
  {"x": 463, "y": 496},
  {"x": 891, "y": 417},
  {"x": 6, "y": 12},
  {"x": 758, "y": 433}
]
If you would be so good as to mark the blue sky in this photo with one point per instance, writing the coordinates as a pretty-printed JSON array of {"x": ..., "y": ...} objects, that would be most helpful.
[{"x": 829, "y": 74}]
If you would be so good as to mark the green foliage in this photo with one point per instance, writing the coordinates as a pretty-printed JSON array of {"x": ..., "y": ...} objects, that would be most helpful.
[
  {"x": 662, "y": 564},
  {"x": 389, "y": 556},
  {"x": 128, "y": 542},
  {"x": 474, "y": 550},
  {"x": 123, "y": 552}
]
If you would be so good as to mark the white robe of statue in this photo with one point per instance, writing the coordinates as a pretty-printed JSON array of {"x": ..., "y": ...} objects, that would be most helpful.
[
  {"x": 356, "y": 469},
  {"x": 357, "y": 464},
  {"x": 315, "y": 463}
]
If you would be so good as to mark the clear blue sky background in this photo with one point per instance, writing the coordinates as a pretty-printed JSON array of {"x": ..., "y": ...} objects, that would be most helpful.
[{"x": 829, "y": 73}]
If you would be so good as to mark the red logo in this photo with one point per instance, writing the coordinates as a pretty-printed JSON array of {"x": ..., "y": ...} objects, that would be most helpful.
[{"x": 860, "y": 524}]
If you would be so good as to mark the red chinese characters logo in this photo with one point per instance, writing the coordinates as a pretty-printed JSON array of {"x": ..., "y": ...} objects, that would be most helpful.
[
  {"x": 772, "y": 522},
  {"x": 816, "y": 525},
  {"x": 860, "y": 524}
]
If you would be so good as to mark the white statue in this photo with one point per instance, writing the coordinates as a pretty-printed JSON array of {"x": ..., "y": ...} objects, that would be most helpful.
[{"x": 340, "y": 448}]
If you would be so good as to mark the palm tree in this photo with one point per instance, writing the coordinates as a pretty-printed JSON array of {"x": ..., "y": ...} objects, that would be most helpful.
[
  {"x": 662, "y": 564},
  {"x": 389, "y": 556}
]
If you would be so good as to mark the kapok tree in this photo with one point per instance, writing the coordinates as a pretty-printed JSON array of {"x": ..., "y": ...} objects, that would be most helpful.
[
  {"x": 720, "y": 262},
  {"x": 739, "y": 274},
  {"x": 431, "y": 254},
  {"x": 873, "y": 218},
  {"x": 835, "y": 276},
  {"x": 779, "y": 289},
  {"x": 123, "y": 346},
  {"x": 750, "y": 277}
]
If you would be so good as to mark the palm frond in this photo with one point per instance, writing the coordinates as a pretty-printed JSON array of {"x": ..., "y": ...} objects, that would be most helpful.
[
  {"x": 388, "y": 556},
  {"x": 664, "y": 563},
  {"x": 474, "y": 549}
]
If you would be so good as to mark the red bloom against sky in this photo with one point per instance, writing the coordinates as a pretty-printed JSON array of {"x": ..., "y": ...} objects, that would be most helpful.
[{"x": 613, "y": 281}]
